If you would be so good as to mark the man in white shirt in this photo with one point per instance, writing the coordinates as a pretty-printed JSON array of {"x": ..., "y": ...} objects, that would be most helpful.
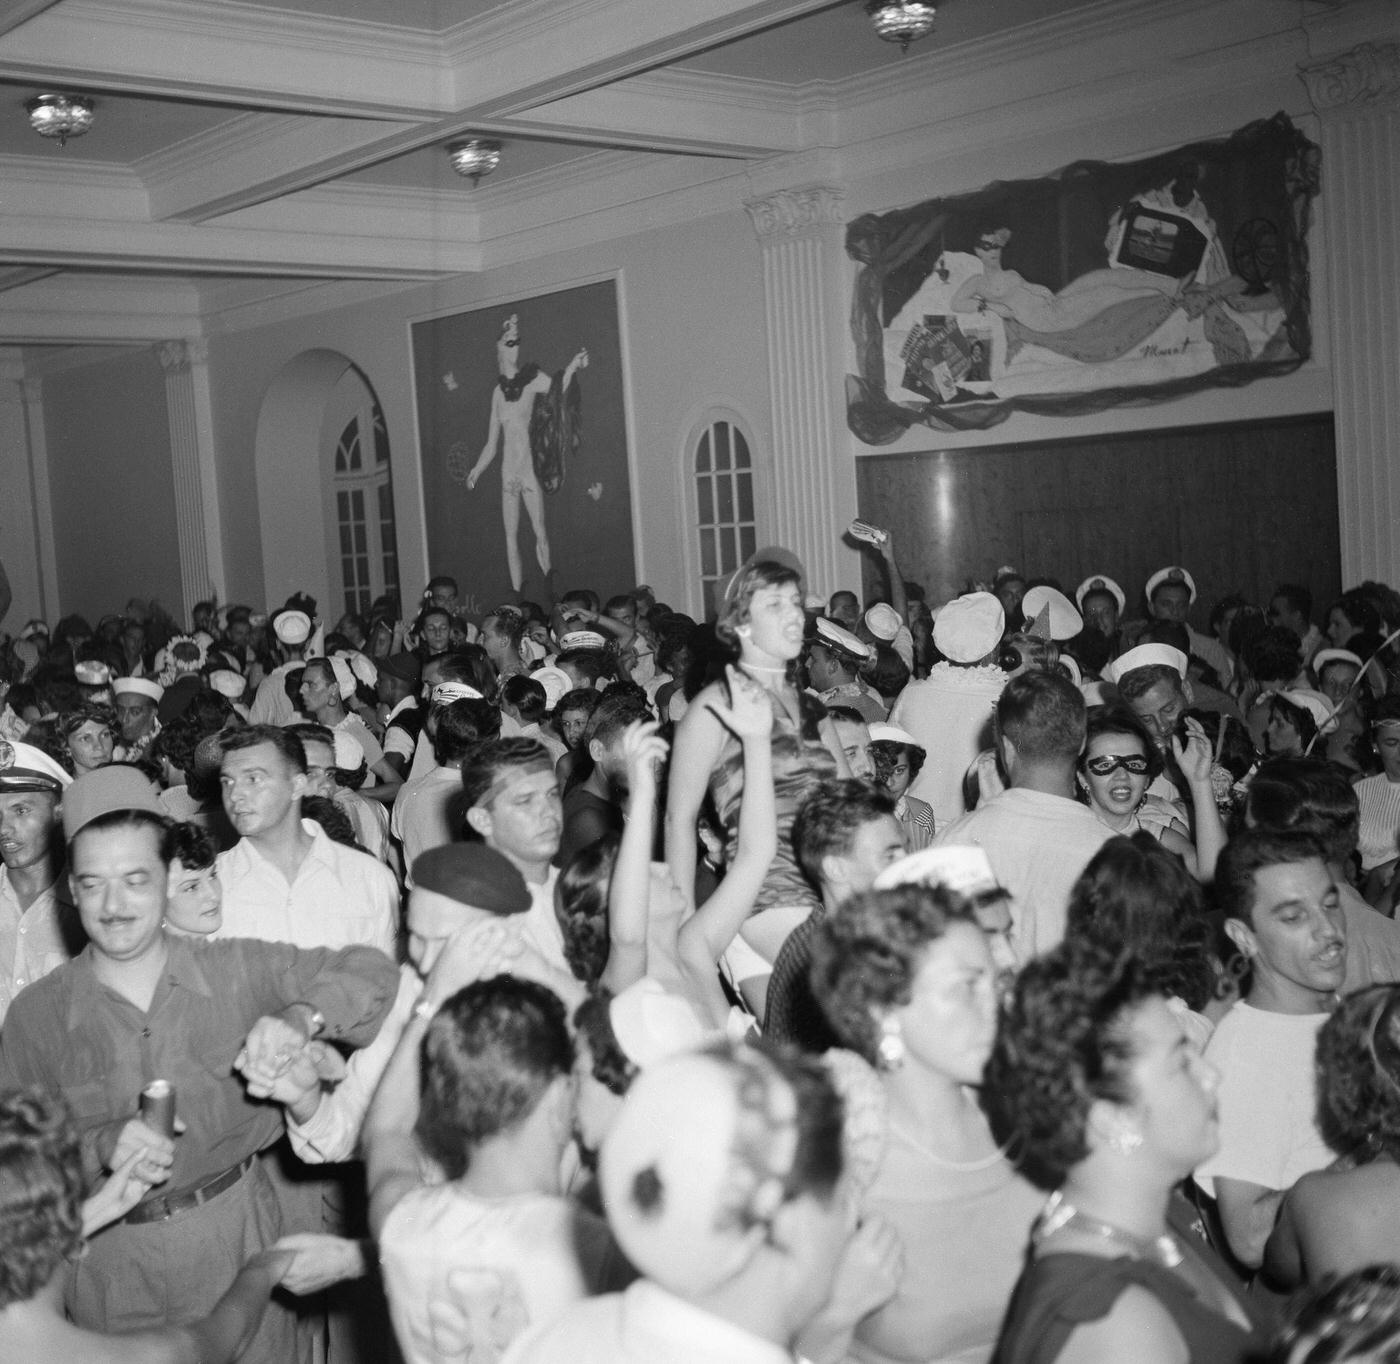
[
  {"x": 284, "y": 880},
  {"x": 39, "y": 926},
  {"x": 1038, "y": 836},
  {"x": 428, "y": 810},
  {"x": 271, "y": 705},
  {"x": 1284, "y": 914}
]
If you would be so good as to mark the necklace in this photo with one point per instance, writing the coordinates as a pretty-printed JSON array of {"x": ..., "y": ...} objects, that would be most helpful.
[
  {"x": 1060, "y": 1214},
  {"x": 966, "y": 1166},
  {"x": 759, "y": 668}
]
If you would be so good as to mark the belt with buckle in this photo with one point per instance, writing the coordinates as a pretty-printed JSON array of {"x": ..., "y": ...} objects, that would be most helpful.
[{"x": 165, "y": 1206}]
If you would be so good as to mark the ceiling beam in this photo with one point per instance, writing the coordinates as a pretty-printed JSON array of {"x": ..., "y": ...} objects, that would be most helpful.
[{"x": 13, "y": 13}]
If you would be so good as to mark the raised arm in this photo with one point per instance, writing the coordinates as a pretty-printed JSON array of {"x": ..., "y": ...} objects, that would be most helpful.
[
  {"x": 644, "y": 751},
  {"x": 699, "y": 741},
  {"x": 1194, "y": 759},
  {"x": 704, "y": 937}
]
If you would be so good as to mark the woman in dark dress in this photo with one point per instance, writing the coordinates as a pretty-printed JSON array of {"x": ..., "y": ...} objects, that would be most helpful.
[{"x": 1097, "y": 1085}]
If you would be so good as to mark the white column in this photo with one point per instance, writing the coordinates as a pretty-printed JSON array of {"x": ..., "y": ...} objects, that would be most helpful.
[
  {"x": 197, "y": 521},
  {"x": 20, "y": 525},
  {"x": 806, "y": 296},
  {"x": 1357, "y": 97}
]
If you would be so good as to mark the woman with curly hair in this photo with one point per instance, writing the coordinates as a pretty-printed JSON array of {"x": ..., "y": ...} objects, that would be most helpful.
[
  {"x": 481, "y": 1082},
  {"x": 907, "y": 982},
  {"x": 1095, "y": 1081},
  {"x": 762, "y": 620},
  {"x": 1337, "y": 1220}
]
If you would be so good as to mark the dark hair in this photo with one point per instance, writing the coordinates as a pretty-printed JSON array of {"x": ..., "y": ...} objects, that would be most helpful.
[
  {"x": 1137, "y": 682},
  {"x": 1349, "y": 1319},
  {"x": 1360, "y": 610},
  {"x": 619, "y": 602},
  {"x": 250, "y": 736},
  {"x": 588, "y": 663},
  {"x": 41, "y": 1190},
  {"x": 888, "y": 673},
  {"x": 582, "y": 891},
  {"x": 1172, "y": 633},
  {"x": 461, "y": 725},
  {"x": 1042, "y": 713},
  {"x": 1358, "y": 1098},
  {"x": 1223, "y": 607},
  {"x": 610, "y": 1065},
  {"x": 176, "y": 743},
  {"x": 1062, "y": 1044},
  {"x": 585, "y": 597},
  {"x": 1120, "y": 719},
  {"x": 1310, "y": 795},
  {"x": 510, "y": 623},
  {"x": 734, "y": 611},
  {"x": 1300, "y": 717},
  {"x": 829, "y": 819},
  {"x": 468, "y": 663},
  {"x": 1136, "y": 897},
  {"x": 125, "y": 819},
  {"x": 89, "y": 712},
  {"x": 885, "y": 753},
  {"x": 1251, "y": 851},
  {"x": 1298, "y": 597},
  {"x": 614, "y": 712},
  {"x": 526, "y": 695},
  {"x": 487, "y": 761},
  {"x": 310, "y": 732},
  {"x": 866, "y": 954},
  {"x": 488, "y": 1057},
  {"x": 1275, "y": 655},
  {"x": 189, "y": 844},
  {"x": 324, "y": 811},
  {"x": 819, "y": 1158},
  {"x": 442, "y": 580}
]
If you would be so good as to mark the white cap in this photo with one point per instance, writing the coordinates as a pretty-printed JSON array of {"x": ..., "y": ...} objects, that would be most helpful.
[
  {"x": 349, "y": 751},
  {"x": 650, "y": 1023},
  {"x": 1098, "y": 583},
  {"x": 1051, "y": 613},
  {"x": 1173, "y": 573},
  {"x": 555, "y": 682},
  {"x": 141, "y": 686},
  {"x": 92, "y": 673},
  {"x": 967, "y": 628},
  {"x": 839, "y": 637},
  {"x": 883, "y": 621},
  {"x": 446, "y": 692},
  {"x": 1315, "y": 703},
  {"x": 1145, "y": 656},
  {"x": 228, "y": 683},
  {"x": 1325, "y": 656},
  {"x": 883, "y": 732},
  {"x": 965, "y": 869},
  {"x": 344, "y": 677},
  {"x": 581, "y": 639},
  {"x": 292, "y": 627}
]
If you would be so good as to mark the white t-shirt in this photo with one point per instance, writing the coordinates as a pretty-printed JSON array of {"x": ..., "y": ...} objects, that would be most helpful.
[{"x": 1268, "y": 1099}]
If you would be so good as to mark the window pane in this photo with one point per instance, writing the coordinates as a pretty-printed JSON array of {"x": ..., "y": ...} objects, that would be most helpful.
[
  {"x": 726, "y": 500},
  {"x": 731, "y": 548},
  {"x": 744, "y": 483},
  {"x": 357, "y": 503},
  {"x": 746, "y": 542},
  {"x": 721, "y": 434},
  {"x": 741, "y": 449},
  {"x": 381, "y": 437},
  {"x": 708, "y": 566},
  {"x": 359, "y": 537},
  {"x": 705, "y": 500},
  {"x": 345, "y": 544},
  {"x": 702, "y": 454}
]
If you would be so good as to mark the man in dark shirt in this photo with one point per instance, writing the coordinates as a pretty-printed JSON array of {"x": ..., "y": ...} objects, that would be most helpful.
[
  {"x": 593, "y": 808},
  {"x": 138, "y": 1005}
]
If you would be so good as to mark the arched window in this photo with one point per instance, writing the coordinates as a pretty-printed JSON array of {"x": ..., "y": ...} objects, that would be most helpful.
[
  {"x": 724, "y": 499},
  {"x": 366, "y": 544}
]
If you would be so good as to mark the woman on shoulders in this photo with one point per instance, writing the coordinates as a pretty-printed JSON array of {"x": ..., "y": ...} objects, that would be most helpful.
[{"x": 1097, "y": 1082}]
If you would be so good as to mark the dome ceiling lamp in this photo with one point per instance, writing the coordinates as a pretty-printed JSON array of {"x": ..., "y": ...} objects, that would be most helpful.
[
  {"x": 475, "y": 157},
  {"x": 901, "y": 21},
  {"x": 60, "y": 116}
]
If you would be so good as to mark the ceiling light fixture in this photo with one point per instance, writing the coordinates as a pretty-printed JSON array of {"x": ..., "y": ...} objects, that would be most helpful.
[
  {"x": 475, "y": 157},
  {"x": 901, "y": 21},
  {"x": 60, "y": 116}
]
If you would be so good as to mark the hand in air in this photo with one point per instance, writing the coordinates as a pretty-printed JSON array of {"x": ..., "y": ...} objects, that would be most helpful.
[
  {"x": 749, "y": 715},
  {"x": 644, "y": 753},
  {"x": 1194, "y": 756}
]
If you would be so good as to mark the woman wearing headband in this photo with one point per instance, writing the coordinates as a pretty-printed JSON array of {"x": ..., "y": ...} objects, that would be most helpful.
[{"x": 1340, "y": 1219}]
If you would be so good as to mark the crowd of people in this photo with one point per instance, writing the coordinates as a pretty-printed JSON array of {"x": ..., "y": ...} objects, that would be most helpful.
[{"x": 1014, "y": 979}]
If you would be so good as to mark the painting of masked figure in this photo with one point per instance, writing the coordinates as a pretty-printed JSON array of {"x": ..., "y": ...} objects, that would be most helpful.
[
  {"x": 1101, "y": 285},
  {"x": 523, "y": 443}
]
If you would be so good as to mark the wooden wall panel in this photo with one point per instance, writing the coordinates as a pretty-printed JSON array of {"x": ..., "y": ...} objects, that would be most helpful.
[{"x": 1242, "y": 507}]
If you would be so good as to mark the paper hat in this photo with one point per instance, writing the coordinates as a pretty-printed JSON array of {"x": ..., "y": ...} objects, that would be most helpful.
[
  {"x": 842, "y": 640},
  {"x": 1098, "y": 583},
  {"x": 26, "y": 768},
  {"x": 344, "y": 678},
  {"x": 447, "y": 692},
  {"x": 1325, "y": 656},
  {"x": 581, "y": 639},
  {"x": 139, "y": 686},
  {"x": 1051, "y": 613},
  {"x": 106, "y": 790},
  {"x": 555, "y": 682},
  {"x": 292, "y": 627},
  {"x": 968, "y": 627},
  {"x": 965, "y": 869},
  {"x": 1173, "y": 573},
  {"x": 349, "y": 751},
  {"x": 1145, "y": 656},
  {"x": 883, "y": 621},
  {"x": 1314, "y": 702},
  {"x": 531, "y": 650},
  {"x": 652, "y": 1024},
  {"x": 228, "y": 683}
]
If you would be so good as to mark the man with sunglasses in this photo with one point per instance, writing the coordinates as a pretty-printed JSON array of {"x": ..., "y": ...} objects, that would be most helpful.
[{"x": 1036, "y": 834}]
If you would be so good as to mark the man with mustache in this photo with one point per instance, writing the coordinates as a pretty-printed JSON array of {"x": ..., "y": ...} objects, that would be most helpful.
[{"x": 1283, "y": 911}]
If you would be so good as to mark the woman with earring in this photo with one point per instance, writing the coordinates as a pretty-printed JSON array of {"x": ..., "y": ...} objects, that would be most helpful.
[
  {"x": 907, "y": 981},
  {"x": 762, "y": 620},
  {"x": 1095, "y": 1080}
]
